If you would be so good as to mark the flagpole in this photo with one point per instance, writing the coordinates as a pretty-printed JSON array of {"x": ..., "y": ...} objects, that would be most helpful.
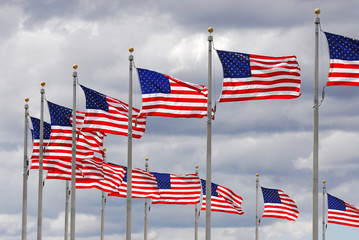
[
  {"x": 40, "y": 195},
  {"x": 73, "y": 162},
  {"x": 67, "y": 196},
  {"x": 25, "y": 174},
  {"x": 209, "y": 139},
  {"x": 145, "y": 223},
  {"x": 103, "y": 205},
  {"x": 257, "y": 218},
  {"x": 323, "y": 220},
  {"x": 196, "y": 215},
  {"x": 129, "y": 151},
  {"x": 315, "y": 133}
]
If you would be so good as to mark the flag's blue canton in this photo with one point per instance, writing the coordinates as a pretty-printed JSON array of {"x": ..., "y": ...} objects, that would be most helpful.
[
  {"x": 36, "y": 129},
  {"x": 60, "y": 116},
  {"x": 95, "y": 100},
  {"x": 213, "y": 188},
  {"x": 235, "y": 65},
  {"x": 335, "y": 203},
  {"x": 163, "y": 180},
  {"x": 271, "y": 195},
  {"x": 125, "y": 177},
  {"x": 153, "y": 82},
  {"x": 341, "y": 47}
]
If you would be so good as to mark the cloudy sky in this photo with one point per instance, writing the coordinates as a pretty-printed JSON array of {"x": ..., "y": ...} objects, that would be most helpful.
[{"x": 41, "y": 40}]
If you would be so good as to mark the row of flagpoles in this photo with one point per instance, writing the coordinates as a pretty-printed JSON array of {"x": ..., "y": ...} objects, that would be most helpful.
[{"x": 246, "y": 77}]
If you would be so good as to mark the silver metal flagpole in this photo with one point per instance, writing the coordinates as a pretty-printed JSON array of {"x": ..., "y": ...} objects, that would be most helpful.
[
  {"x": 103, "y": 215},
  {"x": 25, "y": 174},
  {"x": 257, "y": 217},
  {"x": 146, "y": 217},
  {"x": 129, "y": 151},
  {"x": 323, "y": 220},
  {"x": 103, "y": 206},
  {"x": 315, "y": 133},
  {"x": 73, "y": 162},
  {"x": 67, "y": 196},
  {"x": 196, "y": 215},
  {"x": 209, "y": 139},
  {"x": 39, "y": 208}
]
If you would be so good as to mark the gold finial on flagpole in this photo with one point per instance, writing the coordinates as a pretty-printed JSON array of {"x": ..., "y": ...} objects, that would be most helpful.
[
  {"x": 257, "y": 174},
  {"x": 27, "y": 99},
  {"x": 75, "y": 66},
  {"x": 324, "y": 181},
  {"x": 197, "y": 166},
  {"x": 104, "y": 149},
  {"x": 131, "y": 49},
  {"x": 210, "y": 30},
  {"x": 317, "y": 11},
  {"x": 146, "y": 159},
  {"x": 43, "y": 84}
]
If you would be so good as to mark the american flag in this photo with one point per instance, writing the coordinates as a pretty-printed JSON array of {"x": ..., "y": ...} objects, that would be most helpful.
[
  {"x": 87, "y": 171},
  {"x": 256, "y": 77},
  {"x": 177, "y": 188},
  {"x": 109, "y": 115},
  {"x": 113, "y": 176},
  {"x": 92, "y": 169},
  {"x": 277, "y": 204},
  {"x": 165, "y": 96},
  {"x": 222, "y": 199},
  {"x": 35, "y": 131},
  {"x": 87, "y": 140},
  {"x": 341, "y": 212},
  {"x": 344, "y": 60},
  {"x": 61, "y": 171},
  {"x": 58, "y": 152},
  {"x": 144, "y": 185}
]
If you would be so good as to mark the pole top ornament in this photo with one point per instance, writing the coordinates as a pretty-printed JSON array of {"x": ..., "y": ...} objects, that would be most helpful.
[{"x": 317, "y": 11}]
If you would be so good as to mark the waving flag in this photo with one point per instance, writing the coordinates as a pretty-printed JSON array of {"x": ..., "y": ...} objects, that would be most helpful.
[
  {"x": 109, "y": 115},
  {"x": 255, "y": 77},
  {"x": 277, "y": 204},
  {"x": 144, "y": 185},
  {"x": 87, "y": 140},
  {"x": 58, "y": 151},
  {"x": 112, "y": 179},
  {"x": 340, "y": 212},
  {"x": 35, "y": 131},
  {"x": 60, "y": 171},
  {"x": 177, "y": 188},
  {"x": 222, "y": 199},
  {"x": 92, "y": 169},
  {"x": 165, "y": 96},
  {"x": 344, "y": 60},
  {"x": 87, "y": 171}
]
